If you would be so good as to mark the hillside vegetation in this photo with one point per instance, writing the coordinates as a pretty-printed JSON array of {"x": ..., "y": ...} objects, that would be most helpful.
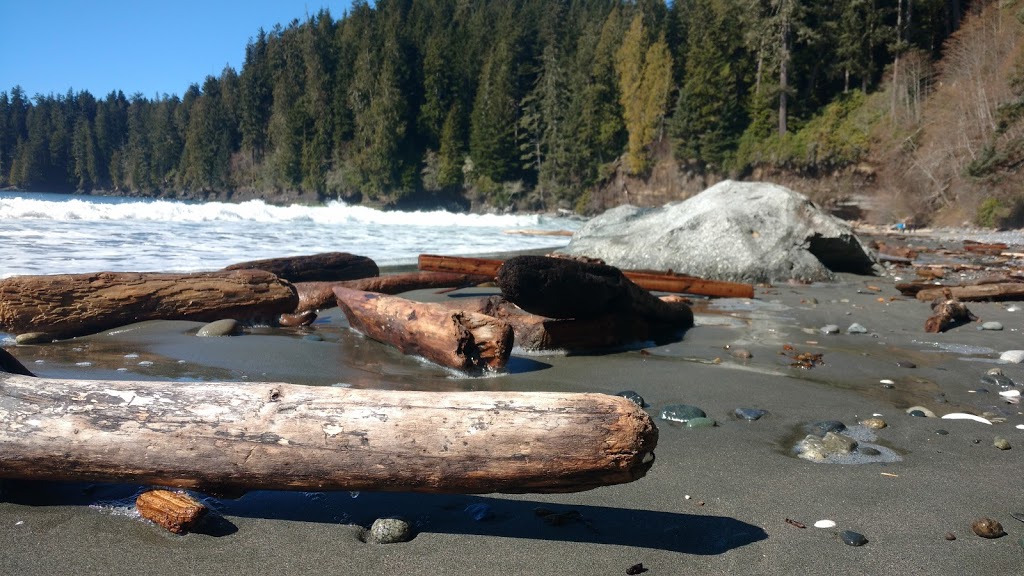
[{"x": 577, "y": 104}]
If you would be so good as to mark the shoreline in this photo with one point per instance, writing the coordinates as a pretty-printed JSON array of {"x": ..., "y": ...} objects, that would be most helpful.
[{"x": 716, "y": 501}]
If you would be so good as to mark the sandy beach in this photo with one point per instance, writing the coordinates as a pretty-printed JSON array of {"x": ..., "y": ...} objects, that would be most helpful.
[{"x": 728, "y": 499}]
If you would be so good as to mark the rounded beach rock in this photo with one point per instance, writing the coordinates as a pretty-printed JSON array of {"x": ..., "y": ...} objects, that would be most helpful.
[
  {"x": 388, "y": 531},
  {"x": 226, "y": 327}
]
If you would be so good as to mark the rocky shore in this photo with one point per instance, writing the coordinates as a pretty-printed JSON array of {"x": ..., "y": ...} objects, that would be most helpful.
[{"x": 813, "y": 428}]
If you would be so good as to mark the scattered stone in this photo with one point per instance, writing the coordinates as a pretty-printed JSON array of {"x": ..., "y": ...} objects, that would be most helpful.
[
  {"x": 313, "y": 338},
  {"x": 825, "y": 524},
  {"x": 868, "y": 451},
  {"x": 997, "y": 379},
  {"x": 388, "y": 531},
  {"x": 32, "y": 338},
  {"x": 1001, "y": 443},
  {"x": 226, "y": 327},
  {"x": 1012, "y": 356},
  {"x": 823, "y": 427},
  {"x": 830, "y": 329},
  {"x": 1011, "y": 395},
  {"x": 749, "y": 414},
  {"x": 991, "y": 326},
  {"x": 950, "y": 536},
  {"x": 873, "y": 423},
  {"x": 920, "y": 411},
  {"x": 851, "y": 538},
  {"x": 856, "y": 329},
  {"x": 681, "y": 413},
  {"x": 987, "y": 528},
  {"x": 636, "y": 569},
  {"x": 631, "y": 395},
  {"x": 838, "y": 443},
  {"x": 812, "y": 448},
  {"x": 701, "y": 422},
  {"x": 942, "y": 432},
  {"x": 480, "y": 512},
  {"x": 905, "y": 364}
]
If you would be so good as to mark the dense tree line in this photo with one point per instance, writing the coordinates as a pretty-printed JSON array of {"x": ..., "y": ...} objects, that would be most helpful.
[{"x": 528, "y": 101}]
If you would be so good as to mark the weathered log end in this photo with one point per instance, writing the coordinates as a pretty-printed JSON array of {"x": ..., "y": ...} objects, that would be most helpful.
[
  {"x": 560, "y": 288},
  {"x": 175, "y": 511},
  {"x": 325, "y": 267},
  {"x": 457, "y": 339},
  {"x": 947, "y": 313}
]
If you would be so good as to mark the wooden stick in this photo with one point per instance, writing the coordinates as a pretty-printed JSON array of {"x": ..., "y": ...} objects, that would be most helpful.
[
  {"x": 69, "y": 305},
  {"x": 947, "y": 312},
  {"x": 660, "y": 281},
  {"x": 222, "y": 436},
  {"x": 325, "y": 267},
  {"x": 456, "y": 339},
  {"x": 175, "y": 511}
]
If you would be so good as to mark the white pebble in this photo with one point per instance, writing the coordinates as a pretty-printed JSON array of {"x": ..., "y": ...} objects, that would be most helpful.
[
  {"x": 146, "y": 363},
  {"x": 886, "y": 381},
  {"x": 965, "y": 416},
  {"x": 40, "y": 361},
  {"x": 1010, "y": 393},
  {"x": 1020, "y": 426},
  {"x": 825, "y": 524},
  {"x": 687, "y": 497},
  {"x": 83, "y": 363},
  {"x": 1013, "y": 356}
]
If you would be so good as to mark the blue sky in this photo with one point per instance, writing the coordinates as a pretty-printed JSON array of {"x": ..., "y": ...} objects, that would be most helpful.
[{"x": 148, "y": 46}]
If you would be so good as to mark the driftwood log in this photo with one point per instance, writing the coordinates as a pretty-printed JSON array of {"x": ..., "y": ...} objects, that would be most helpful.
[
  {"x": 977, "y": 293},
  {"x": 453, "y": 338},
  {"x": 560, "y": 288},
  {"x": 326, "y": 267},
  {"x": 175, "y": 511},
  {"x": 228, "y": 437},
  {"x": 947, "y": 312},
  {"x": 537, "y": 333},
  {"x": 660, "y": 281},
  {"x": 319, "y": 295},
  {"x": 68, "y": 305}
]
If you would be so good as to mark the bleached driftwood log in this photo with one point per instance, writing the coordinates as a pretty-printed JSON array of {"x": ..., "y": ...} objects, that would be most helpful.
[
  {"x": 318, "y": 295},
  {"x": 222, "y": 436}
]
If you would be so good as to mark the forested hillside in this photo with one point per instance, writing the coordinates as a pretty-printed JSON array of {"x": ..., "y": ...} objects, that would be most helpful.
[{"x": 536, "y": 104}]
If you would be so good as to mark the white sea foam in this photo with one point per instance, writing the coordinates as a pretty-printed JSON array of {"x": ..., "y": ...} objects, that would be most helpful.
[{"x": 61, "y": 234}]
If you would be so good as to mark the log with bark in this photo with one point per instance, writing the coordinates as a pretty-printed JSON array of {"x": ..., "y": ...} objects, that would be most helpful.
[
  {"x": 222, "y": 436},
  {"x": 537, "y": 333},
  {"x": 175, "y": 511},
  {"x": 660, "y": 281},
  {"x": 325, "y": 267},
  {"x": 454, "y": 338},
  {"x": 68, "y": 305},
  {"x": 976, "y": 293},
  {"x": 947, "y": 313},
  {"x": 319, "y": 295},
  {"x": 560, "y": 288}
]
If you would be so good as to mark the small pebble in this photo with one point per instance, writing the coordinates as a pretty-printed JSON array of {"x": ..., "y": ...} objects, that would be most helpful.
[
  {"x": 856, "y": 329},
  {"x": 851, "y": 538},
  {"x": 1001, "y": 443},
  {"x": 32, "y": 338},
  {"x": 920, "y": 411},
  {"x": 313, "y": 338},
  {"x": 999, "y": 380},
  {"x": 631, "y": 395},
  {"x": 825, "y": 524},
  {"x": 823, "y": 427},
  {"x": 987, "y": 528},
  {"x": 681, "y": 413},
  {"x": 830, "y": 329},
  {"x": 950, "y": 536},
  {"x": 942, "y": 432},
  {"x": 868, "y": 451},
  {"x": 905, "y": 364},
  {"x": 1012, "y": 356},
  {"x": 749, "y": 414},
  {"x": 742, "y": 354},
  {"x": 991, "y": 326},
  {"x": 226, "y": 327},
  {"x": 701, "y": 422},
  {"x": 388, "y": 531},
  {"x": 874, "y": 423}
]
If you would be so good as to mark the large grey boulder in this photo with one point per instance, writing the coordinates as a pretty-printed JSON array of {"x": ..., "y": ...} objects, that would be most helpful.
[{"x": 735, "y": 231}]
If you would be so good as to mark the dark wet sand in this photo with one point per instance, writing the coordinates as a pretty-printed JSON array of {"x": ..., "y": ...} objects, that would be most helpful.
[{"x": 715, "y": 502}]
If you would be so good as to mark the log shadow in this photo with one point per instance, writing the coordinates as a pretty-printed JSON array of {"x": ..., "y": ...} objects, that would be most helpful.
[{"x": 512, "y": 517}]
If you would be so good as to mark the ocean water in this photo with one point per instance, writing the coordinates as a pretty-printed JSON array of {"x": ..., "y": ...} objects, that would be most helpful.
[{"x": 63, "y": 234}]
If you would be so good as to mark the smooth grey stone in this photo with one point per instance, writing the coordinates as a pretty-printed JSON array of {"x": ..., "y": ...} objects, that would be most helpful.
[
  {"x": 830, "y": 329},
  {"x": 631, "y": 395},
  {"x": 905, "y": 364},
  {"x": 1012, "y": 356},
  {"x": 681, "y": 413},
  {"x": 838, "y": 443},
  {"x": 923, "y": 411},
  {"x": 991, "y": 326},
  {"x": 999, "y": 380},
  {"x": 313, "y": 338},
  {"x": 851, "y": 538},
  {"x": 856, "y": 329},
  {"x": 823, "y": 427},
  {"x": 388, "y": 531},
  {"x": 812, "y": 448},
  {"x": 701, "y": 422},
  {"x": 1001, "y": 443},
  {"x": 918, "y": 413},
  {"x": 32, "y": 338},
  {"x": 226, "y": 327},
  {"x": 749, "y": 414},
  {"x": 868, "y": 451}
]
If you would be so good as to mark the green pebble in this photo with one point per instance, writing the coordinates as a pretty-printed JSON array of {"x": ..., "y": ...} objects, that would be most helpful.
[
  {"x": 700, "y": 422},
  {"x": 1001, "y": 443}
]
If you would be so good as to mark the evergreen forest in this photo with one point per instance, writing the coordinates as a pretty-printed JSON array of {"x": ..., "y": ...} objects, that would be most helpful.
[{"x": 542, "y": 104}]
